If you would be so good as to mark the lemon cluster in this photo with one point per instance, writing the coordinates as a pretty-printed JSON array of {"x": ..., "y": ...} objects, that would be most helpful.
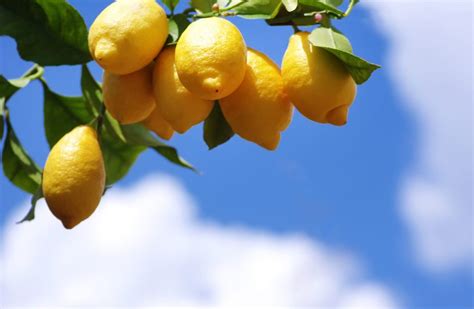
[{"x": 172, "y": 88}]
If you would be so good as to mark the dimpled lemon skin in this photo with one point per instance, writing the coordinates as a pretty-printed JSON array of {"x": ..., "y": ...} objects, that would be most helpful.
[
  {"x": 127, "y": 35},
  {"x": 259, "y": 109},
  {"x": 74, "y": 176},
  {"x": 211, "y": 58},
  {"x": 159, "y": 125},
  {"x": 181, "y": 108},
  {"x": 317, "y": 83},
  {"x": 129, "y": 98}
]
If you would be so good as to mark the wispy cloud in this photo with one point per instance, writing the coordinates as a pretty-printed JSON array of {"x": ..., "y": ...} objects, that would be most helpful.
[
  {"x": 430, "y": 61},
  {"x": 147, "y": 246}
]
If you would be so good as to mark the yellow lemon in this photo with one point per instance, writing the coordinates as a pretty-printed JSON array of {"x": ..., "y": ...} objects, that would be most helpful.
[
  {"x": 74, "y": 176},
  {"x": 317, "y": 82},
  {"x": 259, "y": 109},
  {"x": 129, "y": 98},
  {"x": 181, "y": 108},
  {"x": 127, "y": 35},
  {"x": 159, "y": 125},
  {"x": 210, "y": 58}
]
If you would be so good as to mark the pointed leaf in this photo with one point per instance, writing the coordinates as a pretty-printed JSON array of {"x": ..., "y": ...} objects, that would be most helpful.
[
  {"x": 137, "y": 134},
  {"x": 256, "y": 9},
  {"x": 91, "y": 91},
  {"x": 118, "y": 157},
  {"x": 48, "y": 32},
  {"x": 337, "y": 44},
  {"x": 9, "y": 87},
  {"x": 18, "y": 166},
  {"x": 330, "y": 38},
  {"x": 322, "y": 5},
  {"x": 333, "y": 3},
  {"x": 113, "y": 127},
  {"x": 62, "y": 114},
  {"x": 34, "y": 199},
  {"x": 171, "y": 154},
  {"x": 216, "y": 129},
  {"x": 2, "y": 116}
]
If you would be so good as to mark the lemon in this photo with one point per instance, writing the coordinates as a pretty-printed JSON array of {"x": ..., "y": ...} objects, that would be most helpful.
[
  {"x": 129, "y": 98},
  {"x": 159, "y": 125},
  {"x": 259, "y": 109},
  {"x": 317, "y": 82},
  {"x": 74, "y": 176},
  {"x": 127, "y": 35},
  {"x": 210, "y": 58},
  {"x": 181, "y": 108}
]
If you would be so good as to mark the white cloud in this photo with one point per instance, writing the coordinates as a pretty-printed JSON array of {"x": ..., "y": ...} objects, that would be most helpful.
[
  {"x": 430, "y": 61},
  {"x": 146, "y": 246}
]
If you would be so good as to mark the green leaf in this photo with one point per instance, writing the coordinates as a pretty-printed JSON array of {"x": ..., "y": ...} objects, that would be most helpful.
[
  {"x": 113, "y": 127},
  {"x": 337, "y": 44},
  {"x": 216, "y": 129},
  {"x": 62, "y": 114},
  {"x": 257, "y": 9},
  {"x": 18, "y": 166},
  {"x": 137, "y": 134},
  {"x": 2, "y": 116},
  {"x": 334, "y": 3},
  {"x": 176, "y": 26},
  {"x": 9, "y": 87},
  {"x": 91, "y": 91},
  {"x": 290, "y": 5},
  {"x": 330, "y": 38},
  {"x": 34, "y": 199},
  {"x": 203, "y": 6},
  {"x": 118, "y": 157},
  {"x": 171, "y": 4},
  {"x": 285, "y": 18},
  {"x": 323, "y": 5},
  {"x": 48, "y": 32},
  {"x": 171, "y": 154}
]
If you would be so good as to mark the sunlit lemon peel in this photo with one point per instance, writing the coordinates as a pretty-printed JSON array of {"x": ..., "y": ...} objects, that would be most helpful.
[
  {"x": 317, "y": 82},
  {"x": 74, "y": 176}
]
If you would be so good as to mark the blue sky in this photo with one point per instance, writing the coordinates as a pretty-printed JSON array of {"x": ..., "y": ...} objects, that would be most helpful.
[{"x": 342, "y": 187}]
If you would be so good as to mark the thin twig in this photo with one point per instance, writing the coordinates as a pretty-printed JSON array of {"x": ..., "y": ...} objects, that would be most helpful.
[
  {"x": 295, "y": 27},
  {"x": 349, "y": 8}
]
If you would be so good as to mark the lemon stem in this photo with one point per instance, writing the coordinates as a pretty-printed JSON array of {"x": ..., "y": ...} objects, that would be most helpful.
[
  {"x": 34, "y": 72},
  {"x": 349, "y": 8},
  {"x": 295, "y": 28}
]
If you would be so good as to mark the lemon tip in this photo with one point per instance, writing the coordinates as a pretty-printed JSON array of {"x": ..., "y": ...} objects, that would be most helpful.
[{"x": 338, "y": 115}]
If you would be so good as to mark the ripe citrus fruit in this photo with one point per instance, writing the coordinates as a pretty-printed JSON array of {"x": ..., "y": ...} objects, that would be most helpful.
[
  {"x": 129, "y": 98},
  {"x": 317, "y": 83},
  {"x": 158, "y": 124},
  {"x": 210, "y": 58},
  {"x": 74, "y": 176},
  {"x": 181, "y": 108},
  {"x": 259, "y": 109},
  {"x": 127, "y": 35}
]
